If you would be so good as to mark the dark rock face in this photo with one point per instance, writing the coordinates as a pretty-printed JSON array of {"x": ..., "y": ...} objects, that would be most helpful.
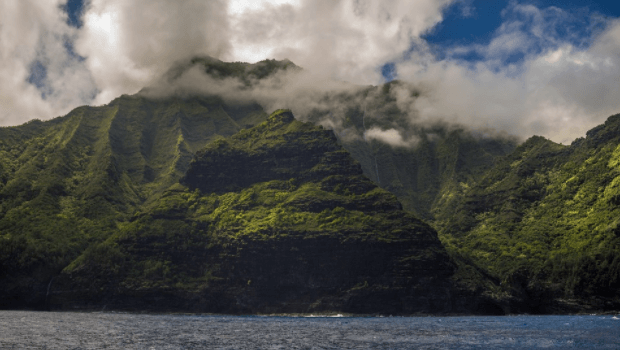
[
  {"x": 289, "y": 275},
  {"x": 229, "y": 165},
  {"x": 276, "y": 219}
]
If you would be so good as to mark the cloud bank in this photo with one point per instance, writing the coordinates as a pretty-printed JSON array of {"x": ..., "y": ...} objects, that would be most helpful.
[
  {"x": 558, "y": 89},
  {"x": 543, "y": 72}
]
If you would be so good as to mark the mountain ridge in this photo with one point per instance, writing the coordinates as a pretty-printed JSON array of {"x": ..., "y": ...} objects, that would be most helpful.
[
  {"x": 528, "y": 228},
  {"x": 73, "y": 179},
  {"x": 543, "y": 220},
  {"x": 327, "y": 239}
]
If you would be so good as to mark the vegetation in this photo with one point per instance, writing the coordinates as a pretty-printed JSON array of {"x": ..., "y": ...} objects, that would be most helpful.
[
  {"x": 545, "y": 218},
  {"x": 179, "y": 198},
  {"x": 247, "y": 73},
  {"x": 69, "y": 183}
]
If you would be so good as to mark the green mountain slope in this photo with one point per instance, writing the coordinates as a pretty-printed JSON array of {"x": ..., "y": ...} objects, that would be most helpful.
[
  {"x": 277, "y": 218},
  {"x": 436, "y": 158},
  {"x": 544, "y": 221},
  {"x": 114, "y": 196},
  {"x": 68, "y": 182}
]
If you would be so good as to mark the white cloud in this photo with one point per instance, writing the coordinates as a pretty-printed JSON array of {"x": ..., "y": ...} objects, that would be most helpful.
[
  {"x": 558, "y": 91},
  {"x": 342, "y": 39},
  {"x": 35, "y": 32},
  {"x": 129, "y": 43},
  {"x": 239, "y": 7},
  {"x": 391, "y": 136}
]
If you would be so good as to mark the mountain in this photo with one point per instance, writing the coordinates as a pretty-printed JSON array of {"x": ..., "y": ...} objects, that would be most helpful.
[
  {"x": 544, "y": 221},
  {"x": 246, "y": 73},
  {"x": 432, "y": 159},
  {"x": 178, "y": 198},
  {"x": 278, "y": 218},
  {"x": 68, "y": 183}
]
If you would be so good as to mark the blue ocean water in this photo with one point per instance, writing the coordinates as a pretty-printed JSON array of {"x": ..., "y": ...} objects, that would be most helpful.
[{"x": 72, "y": 330}]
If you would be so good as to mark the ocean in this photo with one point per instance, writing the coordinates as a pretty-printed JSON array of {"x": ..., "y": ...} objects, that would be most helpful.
[{"x": 110, "y": 330}]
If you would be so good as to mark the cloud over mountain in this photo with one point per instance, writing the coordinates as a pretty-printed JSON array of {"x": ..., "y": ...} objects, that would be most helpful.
[
  {"x": 559, "y": 88},
  {"x": 545, "y": 71}
]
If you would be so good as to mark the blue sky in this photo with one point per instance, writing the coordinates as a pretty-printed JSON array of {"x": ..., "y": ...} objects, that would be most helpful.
[
  {"x": 74, "y": 9},
  {"x": 469, "y": 23},
  {"x": 475, "y": 22}
]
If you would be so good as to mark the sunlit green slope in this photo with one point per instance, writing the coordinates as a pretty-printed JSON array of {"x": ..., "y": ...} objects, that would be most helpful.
[
  {"x": 545, "y": 220},
  {"x": 68, "y": 182}
]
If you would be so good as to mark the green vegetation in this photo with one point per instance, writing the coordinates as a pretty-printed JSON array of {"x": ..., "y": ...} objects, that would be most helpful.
[
  {"x": 69, "y": 183},
  {"x": 539, "y": 219},
  {"x": 544, "y": 219}
]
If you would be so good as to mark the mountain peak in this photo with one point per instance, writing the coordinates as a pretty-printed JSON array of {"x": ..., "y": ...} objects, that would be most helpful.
[
  {"x": 244, "y": 71},
  {"x": 603, "y": 133},
  {"x": 282, "y": 116},
  {"x": 281, "y": 148}
]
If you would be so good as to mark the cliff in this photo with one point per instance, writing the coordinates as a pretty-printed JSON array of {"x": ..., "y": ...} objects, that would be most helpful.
[{"x": 275, "y": 219}]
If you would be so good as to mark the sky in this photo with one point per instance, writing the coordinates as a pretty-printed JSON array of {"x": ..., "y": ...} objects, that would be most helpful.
[{"x": 536, "y": 67}]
